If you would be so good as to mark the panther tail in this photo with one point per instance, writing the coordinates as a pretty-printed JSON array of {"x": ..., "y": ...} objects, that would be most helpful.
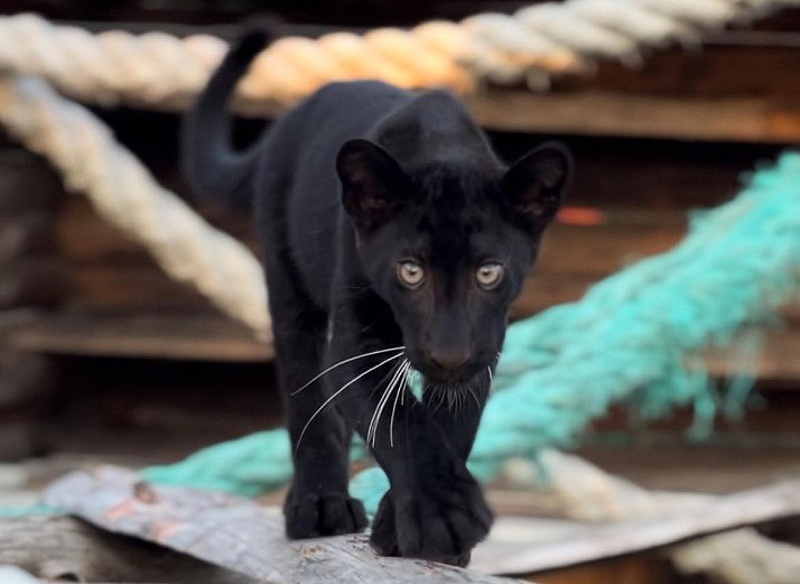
[{"x": 215, "y": 170}]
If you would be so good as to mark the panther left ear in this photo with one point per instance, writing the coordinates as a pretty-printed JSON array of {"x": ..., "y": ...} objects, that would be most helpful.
[
  {"x": 535, "y": 183},
  {"x": 373, "y": 184}
]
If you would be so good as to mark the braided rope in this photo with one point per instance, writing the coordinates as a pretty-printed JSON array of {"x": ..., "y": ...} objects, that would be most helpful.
[
  {"x": 630, "y": 335},
  {"x": 161, "y": 71},
  {"x": 156, "y": 69},
  {"x": 124, "y": 192}
]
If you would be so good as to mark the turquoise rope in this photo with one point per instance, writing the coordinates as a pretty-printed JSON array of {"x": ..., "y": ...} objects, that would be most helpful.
[
  {"x": 628, "y": 338},
  {"x": 28, "y": 511}
]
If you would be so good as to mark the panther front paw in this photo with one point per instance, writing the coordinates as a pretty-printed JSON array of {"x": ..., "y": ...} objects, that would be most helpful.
[
  {"x": 320, "y": 515},
  {"x": 384, "y": 534},
  {"x": 441, "y": 521}
]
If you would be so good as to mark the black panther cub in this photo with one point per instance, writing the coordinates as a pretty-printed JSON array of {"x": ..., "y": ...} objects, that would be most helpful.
[{"x": 393, "y": 239}]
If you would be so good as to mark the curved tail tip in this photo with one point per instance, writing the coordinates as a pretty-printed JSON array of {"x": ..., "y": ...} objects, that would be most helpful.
[{"x": 252, "y": 43}]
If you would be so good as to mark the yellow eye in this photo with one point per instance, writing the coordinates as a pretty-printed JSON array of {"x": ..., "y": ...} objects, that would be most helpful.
[
  {"x": 489, "y": 275},
  {"x": 410, "y": 274}
]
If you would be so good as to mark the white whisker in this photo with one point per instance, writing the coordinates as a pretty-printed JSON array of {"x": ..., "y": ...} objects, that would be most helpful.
[
  {"x": 376, "y": 417},
  {"x": 471, "y": 391},
  {"x": 389, "y": 374},
  {"x": 340, "y": 390},
  {"x": 491, "y": 376},
  {"x": 397, "y": 382},
  {"x": 441, "y": 393},
  {"x": 345, "y": 361},
  {"x": 459, "y": 398},
  {"x": 401, "y": 389},
  {"x": 452, "y": 399},
  {"x": 373, "y": 424}
]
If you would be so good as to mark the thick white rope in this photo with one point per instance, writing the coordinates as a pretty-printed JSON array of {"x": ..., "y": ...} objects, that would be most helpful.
[
  {"x": 158, "y": 70},
  {"x": 83, "y": 149},
  {"x": 578, "y": 489}
]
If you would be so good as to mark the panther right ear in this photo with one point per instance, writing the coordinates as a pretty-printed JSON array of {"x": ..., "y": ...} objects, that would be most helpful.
[
  {"x": 373, "y": 184},
  {"x": 535, "y": 184}
]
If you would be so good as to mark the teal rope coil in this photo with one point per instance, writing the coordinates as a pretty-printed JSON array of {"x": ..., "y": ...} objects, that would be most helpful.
[{"x": 628, "y": 338}]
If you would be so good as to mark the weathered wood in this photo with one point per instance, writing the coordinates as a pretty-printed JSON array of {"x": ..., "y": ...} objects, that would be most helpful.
[
  {"x": 27, "y": 382},
  {"x": 110, "y": 272},
  {"x": 634, "y": 569},
  {"x": 32, "y": 277},
  {"x": 686, "y": 95},
  {"x": 25, "y": 234},
  {"x": 162, "y": 336},
  {"x": 778, "y": 358},
  {"x": 63, "y": 548},
  {"x": 732, "y": 62},
  {"x": 32, "y": 281},
  {"x": 27, "y": 182},
  {"x": 602, "y": 541},
  {"x": 214, "y": 338},
  {"x": 180, "y": 518},
  {"x": 596, "y": 113},
  {"x": 235, "y": 533}
]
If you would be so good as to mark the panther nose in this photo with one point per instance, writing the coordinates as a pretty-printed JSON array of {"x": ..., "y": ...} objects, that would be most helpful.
[{"x": 450, "y": 358}]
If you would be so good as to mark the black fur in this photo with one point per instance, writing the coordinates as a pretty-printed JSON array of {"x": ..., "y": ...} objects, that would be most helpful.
[{"x": 357, "y": 186}]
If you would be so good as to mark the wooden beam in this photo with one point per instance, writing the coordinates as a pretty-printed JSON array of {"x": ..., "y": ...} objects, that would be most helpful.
[
  {"x": 236, "y": 533},
  {"x": 746, "y": 508},
  {"x": 167, "y": 336},
  {"x": 778, "y": 359},
  {"x": 233, "y": 532},
  {"x": 603, "y": 113},
  {"x": 63, "y": 548}
]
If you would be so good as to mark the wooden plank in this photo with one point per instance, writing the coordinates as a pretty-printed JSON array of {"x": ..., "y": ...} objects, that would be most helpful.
[
  {"x": 632, "y": 569},
  {"x": 732, "y": 511},
  {"x": 599, "y": 113},
  {"x": 768, "y": 58},
  {"x": 235, "y": 533},
  {"x": 213, "y": 338},
  {"x": 762, "y": 451},
  {"x": 127, "y": 288},
  {"x": 63, "y": 548},
  {"x": 110, "y": 272},
  {"x": 778, "y": 359},
  {"x": 676, "y": 94}
]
